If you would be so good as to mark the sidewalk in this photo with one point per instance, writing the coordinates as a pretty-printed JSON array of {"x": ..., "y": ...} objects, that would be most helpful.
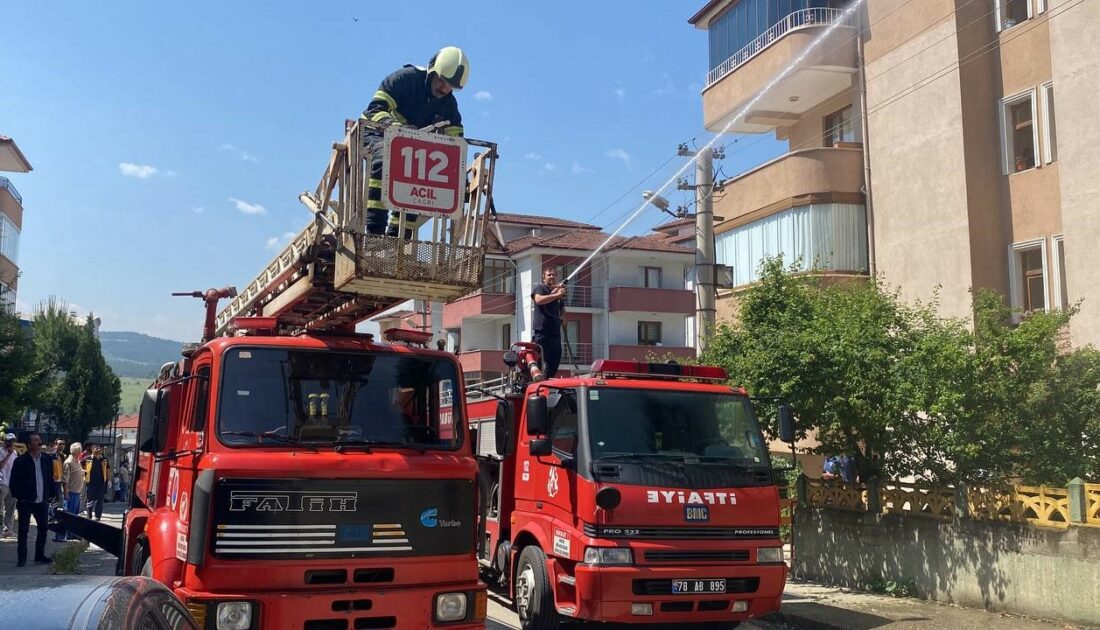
[
  {"x": 815, "y": 607},
  {"x": 94, "y": 561}
]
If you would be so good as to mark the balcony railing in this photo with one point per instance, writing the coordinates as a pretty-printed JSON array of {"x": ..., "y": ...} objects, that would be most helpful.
[
  {"x": 584, "y": 297},
  {"x": 796, "y": 20},
  {"x": 6, "y": 183},
  {"x": 582, "y": 354}
]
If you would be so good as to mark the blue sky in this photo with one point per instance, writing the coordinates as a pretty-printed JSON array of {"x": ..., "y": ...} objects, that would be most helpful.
[{"x": 170, "y": 141}]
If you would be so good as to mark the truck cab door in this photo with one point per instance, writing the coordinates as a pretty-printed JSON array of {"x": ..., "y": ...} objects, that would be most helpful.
[{"x": 549, "y": 478}]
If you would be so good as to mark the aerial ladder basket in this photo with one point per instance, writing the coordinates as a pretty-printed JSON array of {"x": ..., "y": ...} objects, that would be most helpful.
[{"x": 334, "y": 274}]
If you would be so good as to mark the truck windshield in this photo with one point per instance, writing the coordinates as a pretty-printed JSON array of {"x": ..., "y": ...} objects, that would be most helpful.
[
  {"x": 673, "y": 424},
  {"x": 276, "y": 397}
]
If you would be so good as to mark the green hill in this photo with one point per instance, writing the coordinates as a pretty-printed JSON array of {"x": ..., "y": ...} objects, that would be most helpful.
[{"x": 135, "y": 355}]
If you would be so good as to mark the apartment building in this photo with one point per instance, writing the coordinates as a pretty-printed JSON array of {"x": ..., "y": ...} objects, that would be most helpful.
[
  {"x": 11, "y": 220},
  {"x": 633, "y": 301},
  {"x": 940, "y": 143}
]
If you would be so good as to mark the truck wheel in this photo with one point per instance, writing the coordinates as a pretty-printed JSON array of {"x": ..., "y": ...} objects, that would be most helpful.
[
  {"x": 534, "y": 601},
  {"x": 139, "y": 559}
]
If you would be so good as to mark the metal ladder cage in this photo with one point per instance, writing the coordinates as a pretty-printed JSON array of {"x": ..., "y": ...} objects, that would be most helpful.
[
  {"x": 334, "y": 274},
  {"x": 445, "y": 266}
]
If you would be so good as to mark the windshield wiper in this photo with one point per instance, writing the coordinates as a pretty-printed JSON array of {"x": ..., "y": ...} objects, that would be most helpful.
[
  {"x": 275, "y": 437},
  {"x": 341, "y": 443}
]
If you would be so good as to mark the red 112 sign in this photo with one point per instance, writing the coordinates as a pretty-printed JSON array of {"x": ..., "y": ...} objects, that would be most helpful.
[{"x": 423, "y": 172}]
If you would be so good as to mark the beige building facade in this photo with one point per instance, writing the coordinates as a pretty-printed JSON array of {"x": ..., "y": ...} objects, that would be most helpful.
[
  {"x": 11, "y": 221},
  {"x": 943, "y": 144}
]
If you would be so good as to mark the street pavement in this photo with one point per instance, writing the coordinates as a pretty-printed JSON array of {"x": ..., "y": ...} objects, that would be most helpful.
[
  {"x": 94, "y": 561},
  {"x": 805, "y": 605},
  {"x": 814, "y": 607}
]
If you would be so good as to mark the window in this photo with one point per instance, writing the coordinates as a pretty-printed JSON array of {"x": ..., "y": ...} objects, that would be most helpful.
[
  {"x": 1028, "y": 267},
  {"x": 1019, "y": 133},
  {"x": 1050, "y": 149},
  {"x": 506, "y": 336},
  {"x": 573, "y": 334},
  {"x": 1009, "y": 13},
  {"x": 748, "y": 19},
  {"x": 840, "y": 127},
  {"x": 651, "y": 277},
  {"x": 563, "y": 420},
  {"x": 9, "y": 239},
  {"x": 202, "y": 397},
  {"x": 499, "y": 277},
  {"x": 1061, "y": 294},
  {"x": 649, "y": 333},
  {"x": 831, "y": 236}
]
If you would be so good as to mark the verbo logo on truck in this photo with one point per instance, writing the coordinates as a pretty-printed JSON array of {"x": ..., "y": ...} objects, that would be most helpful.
[{"x": 684, "y": 498}]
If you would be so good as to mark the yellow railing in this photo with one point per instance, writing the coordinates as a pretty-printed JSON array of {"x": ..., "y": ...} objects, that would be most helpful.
[
  {"x": 918, "y": 499},
  {"x": 836, "y": 494},
  {"x": 1038, "y": 505},
  {"x": 1042, "y": 506},
  {"x": 1092, "y": 503}
]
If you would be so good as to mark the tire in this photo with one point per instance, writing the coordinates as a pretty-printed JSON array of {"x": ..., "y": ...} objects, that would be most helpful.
[
  {"x": 534, "y": 600},
  {"x": 139, "y": 559}
]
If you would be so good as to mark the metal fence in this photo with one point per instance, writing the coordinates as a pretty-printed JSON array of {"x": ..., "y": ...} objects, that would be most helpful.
[
  {"x": 6, "y": 183},
  {"x": 796, "y": 20}
]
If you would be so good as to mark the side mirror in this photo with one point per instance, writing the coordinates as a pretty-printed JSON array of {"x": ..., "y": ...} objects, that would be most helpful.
[
  {"x": 153, "y": 421},
  {"x": 786, "y": 424},
  {"x": 538, "y": 417},
  {"x": 503, "y": 427},
  {"x": 541, "y": 447}
]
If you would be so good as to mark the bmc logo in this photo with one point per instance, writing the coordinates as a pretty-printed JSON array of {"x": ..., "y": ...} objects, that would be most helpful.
[{"x": 429, "y": 517}]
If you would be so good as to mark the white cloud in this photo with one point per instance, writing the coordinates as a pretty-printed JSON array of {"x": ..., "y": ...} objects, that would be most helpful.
[
  {"x": 277, "y": 242},
  {"x": 549, "y": 166},
  {"x": 170, "y": 173},
  {"x": 239, "y": 152},
  {"x": 531, "y": 155},
  {"x": 621, "y": 93},
  {"x": 248, "y": 208},
  {"x": 483, "y": 96},
  {"x": 578, "y": 169},
  {"x": 619, "y": 154},
  {"x": 667, "y": 88},
  {"x": 140, "y": 171},
  {"x": 198, "y": 209}
]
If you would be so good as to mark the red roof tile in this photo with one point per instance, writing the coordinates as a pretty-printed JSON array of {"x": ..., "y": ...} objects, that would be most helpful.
[{"x": 530, "y": 219}]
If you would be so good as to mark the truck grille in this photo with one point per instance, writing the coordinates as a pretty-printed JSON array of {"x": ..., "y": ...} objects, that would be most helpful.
[
  {"x": 664, "y": 587},
  {"x": 734, "y": 555},
  {"x": 680, "y": 533}
]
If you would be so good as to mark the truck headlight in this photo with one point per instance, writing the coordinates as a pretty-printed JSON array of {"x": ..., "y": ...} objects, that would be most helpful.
[
  {"x": 450, "y": 607},
  {"x": 769, "y": 555},
  {"x": 234, "y": 615},
  {"x": 608, "y": 556}
]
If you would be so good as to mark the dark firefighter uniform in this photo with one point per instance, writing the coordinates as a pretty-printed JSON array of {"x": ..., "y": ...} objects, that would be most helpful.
[{"x": 405, "y": 98}]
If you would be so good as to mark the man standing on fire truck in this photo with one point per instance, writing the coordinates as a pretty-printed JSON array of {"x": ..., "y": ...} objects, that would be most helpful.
[
  {"x": 417, "y": 97},
  {"x": 546, "y": 319}
]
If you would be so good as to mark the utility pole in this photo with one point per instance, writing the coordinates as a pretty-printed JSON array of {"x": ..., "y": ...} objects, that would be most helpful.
[{"x": 705, "y": 281}]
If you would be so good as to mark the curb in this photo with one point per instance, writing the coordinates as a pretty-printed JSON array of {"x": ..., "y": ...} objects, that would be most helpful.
[{"x": 801, "y": 622}]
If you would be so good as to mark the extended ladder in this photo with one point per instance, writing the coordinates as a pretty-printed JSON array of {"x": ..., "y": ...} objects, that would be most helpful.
[{"x": 333, "y": 274}]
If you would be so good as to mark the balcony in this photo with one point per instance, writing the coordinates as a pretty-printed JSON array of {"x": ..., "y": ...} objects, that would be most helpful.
[
  {"x": 733, "y": 83},
  {"x": 582, "y": 297},
  {"x": 6, "y": 184},
  {"x": 648, "y": 300},
  {"x": 582, "y": 354},
  {"x": 480, "y": 305},
  {"x": 482, "y": 361},
  {"x": 644, "y": 353},
  {"x": 819, "y": 175}
]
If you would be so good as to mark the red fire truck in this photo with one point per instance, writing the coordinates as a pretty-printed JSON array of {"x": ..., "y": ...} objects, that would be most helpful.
[
  {"x": 638, "y": 493},
  {"x": 295, "y": 474}
]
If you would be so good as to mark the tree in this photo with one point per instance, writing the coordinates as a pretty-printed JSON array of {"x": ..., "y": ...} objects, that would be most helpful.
[
  {"x": 907, "y": 392},
  {"x": 80, "y": 392},
  {"x": 17, "y": 367},
  {"x": 91, "y": 392}
]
